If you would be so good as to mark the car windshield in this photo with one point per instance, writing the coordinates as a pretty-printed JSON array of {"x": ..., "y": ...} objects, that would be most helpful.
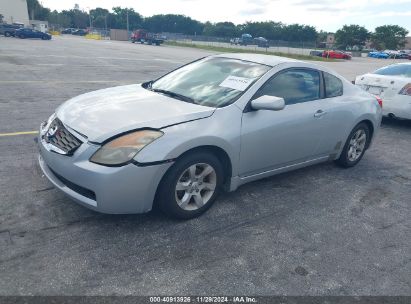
[
  {"x": 402, "y": 70},
  {"x": 213, "y": 82}
]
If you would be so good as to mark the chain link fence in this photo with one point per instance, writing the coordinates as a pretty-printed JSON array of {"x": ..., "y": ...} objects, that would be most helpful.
[
  {"x": 289, "y": 47},
  {"x": 283, "y": 46}
]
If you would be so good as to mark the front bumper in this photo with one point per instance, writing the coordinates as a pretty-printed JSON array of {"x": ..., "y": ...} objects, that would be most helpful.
[{"x": 114, "y": 190}]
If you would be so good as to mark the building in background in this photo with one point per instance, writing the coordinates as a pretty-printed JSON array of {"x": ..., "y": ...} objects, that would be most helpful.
[
  {"x": 14, "y": 11},
  {"x": 329, "y": 44},
  {"x": 42, "y": 26}
]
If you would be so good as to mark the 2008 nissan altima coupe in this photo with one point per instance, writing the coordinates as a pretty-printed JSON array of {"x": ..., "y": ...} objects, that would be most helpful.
[{"x": 208, "y": 126}]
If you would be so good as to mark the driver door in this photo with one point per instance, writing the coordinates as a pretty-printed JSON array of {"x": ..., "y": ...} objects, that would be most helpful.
[{"x": 275, "y": 139}]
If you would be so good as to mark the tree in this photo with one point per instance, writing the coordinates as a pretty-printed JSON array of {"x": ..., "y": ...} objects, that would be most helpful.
[
  {"x": 299, "y": 32},
  {"x": 119, "y": 18},
  {"x": 37, "y": 11},
  {"x": 78, "y": 18},
  {"x": 100, "y": 17},
  {"x": 220, "y": 29},
  {"x": 321, "y": 37},
  {"x": 60, "y": 19},
  {"x": 389, "y": 37},
  {"x": 351, "y": 35},
  {"x": 173, "y": 24},
  {"x": 268, "y": 29}
]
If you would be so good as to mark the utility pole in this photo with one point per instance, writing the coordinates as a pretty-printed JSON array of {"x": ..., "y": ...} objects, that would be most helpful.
[
  {"x": 89, "y": 16},
  {"x": 128, "y": 27}
]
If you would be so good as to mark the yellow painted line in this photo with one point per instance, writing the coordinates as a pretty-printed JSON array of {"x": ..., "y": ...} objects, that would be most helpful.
[{"x": 19, "y": 133}]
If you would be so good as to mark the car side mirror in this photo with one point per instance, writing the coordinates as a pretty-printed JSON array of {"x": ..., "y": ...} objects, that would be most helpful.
[{"x": 266, "y": 102}]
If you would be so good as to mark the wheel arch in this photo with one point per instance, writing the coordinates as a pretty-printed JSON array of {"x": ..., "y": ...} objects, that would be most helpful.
[
  {"x": 370, "y": 126},
  {"x": 219, "y": 152}
]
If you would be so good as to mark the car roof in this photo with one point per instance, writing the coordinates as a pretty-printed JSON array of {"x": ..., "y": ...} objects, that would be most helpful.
[{"x": 270, "y": 60}]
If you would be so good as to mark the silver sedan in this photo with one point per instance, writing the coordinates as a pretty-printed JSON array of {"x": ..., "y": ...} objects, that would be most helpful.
[{"x": 211, "y": 125}]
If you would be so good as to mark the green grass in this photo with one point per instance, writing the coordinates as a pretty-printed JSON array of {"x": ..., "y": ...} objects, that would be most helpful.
[{"x": 221, "y": 49}]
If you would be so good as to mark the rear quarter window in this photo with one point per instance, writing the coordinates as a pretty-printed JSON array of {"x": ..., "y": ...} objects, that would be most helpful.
[{"x": 333, "y": 86}]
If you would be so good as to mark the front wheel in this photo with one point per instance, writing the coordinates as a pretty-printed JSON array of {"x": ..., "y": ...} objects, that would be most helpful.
[
  {"x": 355, "y": 146},
  {"x": 191, "y": 186},
  {"x": 7, "y": 34}
]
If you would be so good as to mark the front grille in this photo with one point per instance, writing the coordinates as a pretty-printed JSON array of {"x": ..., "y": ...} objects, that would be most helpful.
[
  {"x": 58, "y": 136},
  {"x": 76, "y": 188}
]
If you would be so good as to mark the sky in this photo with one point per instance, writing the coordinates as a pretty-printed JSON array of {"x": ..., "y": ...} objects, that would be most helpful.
[{"x": 328, "y": 15}]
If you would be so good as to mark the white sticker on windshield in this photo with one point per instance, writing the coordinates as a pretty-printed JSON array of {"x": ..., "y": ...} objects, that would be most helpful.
[{"x": 237, "y": 83}]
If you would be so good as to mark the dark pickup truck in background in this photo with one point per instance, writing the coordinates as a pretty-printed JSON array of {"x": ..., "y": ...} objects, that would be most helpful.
[{"x": 143, "y": 36}]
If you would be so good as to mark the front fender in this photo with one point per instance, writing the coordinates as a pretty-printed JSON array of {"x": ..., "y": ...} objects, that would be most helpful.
[{"x": 222, "y": 130}]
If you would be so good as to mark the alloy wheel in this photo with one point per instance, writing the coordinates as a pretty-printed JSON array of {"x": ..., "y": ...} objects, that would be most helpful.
[
  {"x": 196, "y": 186},
  {"x": 357, "y": 145}
]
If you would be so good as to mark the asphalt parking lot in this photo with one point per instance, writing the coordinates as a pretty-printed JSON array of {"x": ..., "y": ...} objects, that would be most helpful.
[{"x": 322, "y": 230}]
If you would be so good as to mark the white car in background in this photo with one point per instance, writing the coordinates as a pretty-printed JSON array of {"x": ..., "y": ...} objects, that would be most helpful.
[{"x": 393, "y": 85}]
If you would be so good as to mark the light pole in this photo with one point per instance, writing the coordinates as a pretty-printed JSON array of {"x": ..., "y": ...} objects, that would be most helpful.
[
  {"x": 128, "y": 26},
  {"x": 89, "y": 15}
]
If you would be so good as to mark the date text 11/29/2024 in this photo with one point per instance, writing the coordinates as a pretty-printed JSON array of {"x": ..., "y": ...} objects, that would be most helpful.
[{"x": 203, "y": 299}]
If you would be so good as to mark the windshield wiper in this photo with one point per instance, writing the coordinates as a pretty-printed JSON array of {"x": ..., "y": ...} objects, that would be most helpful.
[{"x": 174, "y": 95}]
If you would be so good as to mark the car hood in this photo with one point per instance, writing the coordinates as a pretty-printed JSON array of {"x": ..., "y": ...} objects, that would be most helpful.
[{"x": 102, "y": 114}]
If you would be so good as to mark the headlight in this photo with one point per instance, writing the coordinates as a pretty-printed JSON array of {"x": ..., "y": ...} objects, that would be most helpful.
[
  {"x": 123, "y": 149},
  {"x": 45, "y": 125}
]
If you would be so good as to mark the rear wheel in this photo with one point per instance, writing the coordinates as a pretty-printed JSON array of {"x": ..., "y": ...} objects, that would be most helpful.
[
  {"x": 7, "y": 34},
  {"x": 191, "y": 186},
  {"x": 355, "y": 146}
]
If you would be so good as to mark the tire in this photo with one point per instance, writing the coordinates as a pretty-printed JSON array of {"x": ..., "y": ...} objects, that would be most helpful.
[
  {"x": 7, "y": 34},
  {"x": 22, "y": 37},
  {"x": 44, "y": 38},
  {"x": 194, "y": 197},
  {"x": 355, "y": 147}
]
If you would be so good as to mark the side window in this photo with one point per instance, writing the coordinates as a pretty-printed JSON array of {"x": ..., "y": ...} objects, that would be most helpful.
[
  {"x": 294, "y": 85},
  {"x": 333, "y": 86}
]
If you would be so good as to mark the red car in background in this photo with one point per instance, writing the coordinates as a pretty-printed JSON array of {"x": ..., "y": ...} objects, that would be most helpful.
[{"x": 336, "y": 55}]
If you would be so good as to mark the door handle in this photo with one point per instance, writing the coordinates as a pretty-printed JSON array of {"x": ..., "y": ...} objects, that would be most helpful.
[{"x": 319, "y": 113}]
